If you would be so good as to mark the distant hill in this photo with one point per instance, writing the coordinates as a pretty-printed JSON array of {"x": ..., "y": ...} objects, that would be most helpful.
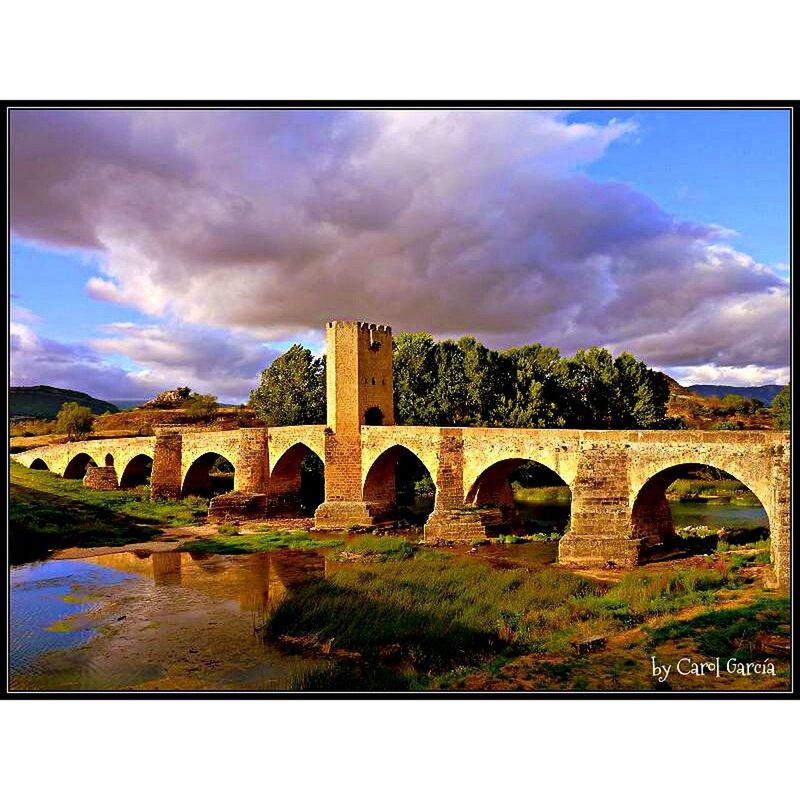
[
  {"x": 763, "y": 393},
  {"x": 127, "y": 404},
  {"x": 44, "y": 402}
]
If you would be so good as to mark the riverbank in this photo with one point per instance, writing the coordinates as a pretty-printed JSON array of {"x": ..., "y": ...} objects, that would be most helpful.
[
  {"x": 48, "y": 513},
  {"x": 454, "y": 620}
]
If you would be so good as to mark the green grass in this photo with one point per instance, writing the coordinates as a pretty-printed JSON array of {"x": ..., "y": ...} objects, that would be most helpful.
[
  {"x": 733, "y": 490},
  {"x": 265, "y": 540},
  {"x": 729, "y": 632},
  {"x": 370, "y": 547},
  {"x": 228, "y": 529},
  {"x": 49, "y": 513},
  {"x": 542, "y": 494},
  {"x": 448, "y": 612},
  {"x": 332, "y": 677}
]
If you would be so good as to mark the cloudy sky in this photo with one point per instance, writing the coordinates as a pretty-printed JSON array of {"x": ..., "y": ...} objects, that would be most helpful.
[{"x": 152, "y": 249}]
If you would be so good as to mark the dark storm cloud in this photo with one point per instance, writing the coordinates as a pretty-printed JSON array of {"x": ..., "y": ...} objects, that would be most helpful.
[{"x": 273, "y": 222}]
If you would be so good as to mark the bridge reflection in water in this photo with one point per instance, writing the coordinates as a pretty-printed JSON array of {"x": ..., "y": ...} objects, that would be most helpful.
[{"x": 255, "y": 581}]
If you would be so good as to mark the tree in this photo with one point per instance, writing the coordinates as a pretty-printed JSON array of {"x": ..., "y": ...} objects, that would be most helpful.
[
  {"x": 782, "y": 408},
  {"x": 201, "y": 406},
  {"x": 292, "y": 389},
  {"x": 640, "y": 395},
  {"x": 533, "y": 379},
  {"x": 415, "y": 375},
  {"x": 75, "y": 420}
]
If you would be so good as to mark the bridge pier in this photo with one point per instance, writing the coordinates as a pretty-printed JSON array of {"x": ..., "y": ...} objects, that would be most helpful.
[
  {"x": 780, "y": 515},
  {"x": 103, "y": 478},
  {"x": 165, "y": 479},
  {"x": 252, "y": 463},
  {"x": 452, "y": 520},
  {"x": 600, "y": 530},
  {"x": 344, "y": 507}
]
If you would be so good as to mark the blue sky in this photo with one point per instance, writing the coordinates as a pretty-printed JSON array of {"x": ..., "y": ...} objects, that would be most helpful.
[
  {"x": 726, "y": 167},
  {"x": 155, "y": 249}
]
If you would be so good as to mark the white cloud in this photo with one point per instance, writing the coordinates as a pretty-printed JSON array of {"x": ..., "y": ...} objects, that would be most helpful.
[
  {"x": 270, "y": 223},
  {"x": 751, "y": 375}
]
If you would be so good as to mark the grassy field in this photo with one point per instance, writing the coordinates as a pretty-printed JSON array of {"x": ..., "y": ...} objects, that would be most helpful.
[
  {"x": 440, "y": 610},
  {"x": 48, "y": 513},
  {"x": 442, "y": 621}
]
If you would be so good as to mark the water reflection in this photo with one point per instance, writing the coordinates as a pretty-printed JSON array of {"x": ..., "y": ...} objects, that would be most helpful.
[
  {"x": 160, "y": 621},
  {"x": 256, "y": 580}
]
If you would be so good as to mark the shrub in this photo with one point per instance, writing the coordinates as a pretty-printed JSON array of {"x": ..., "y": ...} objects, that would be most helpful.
[
  {"x": 201, "y": 406},
  {"x": 74, "y": 420},
  {"x": 228, "y": 528}
]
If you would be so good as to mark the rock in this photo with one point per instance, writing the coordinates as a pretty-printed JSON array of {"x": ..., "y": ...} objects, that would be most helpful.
[
  {"x": 589, "y": 645},
  {"x": 773, "y": 645},
  {"x": 173, "y": 398}
]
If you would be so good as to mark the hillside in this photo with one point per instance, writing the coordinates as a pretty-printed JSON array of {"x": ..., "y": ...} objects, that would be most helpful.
[
  {"x": 765, "y": 393},
  {"x": 709, "y": 412},
  {"x": 44, "y": 402}
]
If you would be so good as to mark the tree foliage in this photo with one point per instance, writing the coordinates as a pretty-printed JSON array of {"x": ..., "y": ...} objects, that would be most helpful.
[
  {"x": 464, "y": 383},
  {"x": 782, "y": 408},
  {"x": 292, "y": 389},
  {"x": 74, "y": 420},
  {"x": 201, "y": 406}
]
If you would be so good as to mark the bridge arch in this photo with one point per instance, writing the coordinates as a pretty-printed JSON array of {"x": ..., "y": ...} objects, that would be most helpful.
[
  {"x": 77, "y": 466},
  {"x": 137, "y": 471},
  {"x": 389, "y": 484},
  {"x": 109, "y": 460},
  {"x": 297, "y": 481},
  {"x": 651, "y": 513},
  {"x": 209, "y": 473},
  {"x": 39, "y": 463},
  {"x": 277, "y": 449},
  {"x": 541, "y": 504}
]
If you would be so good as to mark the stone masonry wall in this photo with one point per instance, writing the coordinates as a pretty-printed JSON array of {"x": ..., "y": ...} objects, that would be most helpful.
[{"x": 104, "y": 478}]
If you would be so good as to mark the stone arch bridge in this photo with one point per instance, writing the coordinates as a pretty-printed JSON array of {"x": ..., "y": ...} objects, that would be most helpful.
[{"x": 617, "y": 479}]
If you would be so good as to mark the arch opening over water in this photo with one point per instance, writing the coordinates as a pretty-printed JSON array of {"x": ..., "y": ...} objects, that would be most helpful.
[
  {"x": 137, "y": 472},
  {"x": 696, "y": 507},
  {"x": 297, "y": 482},
  {"x": 209, "y": 474},
  {"x": 76, "y": 469},
  {"x": 38, "y": 463},
  {"x": 531, "y": 497},
  {"x": 398, "y": 485}
]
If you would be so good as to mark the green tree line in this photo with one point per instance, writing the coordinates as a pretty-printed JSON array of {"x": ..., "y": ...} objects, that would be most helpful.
[{"x": 464, "y": 383}]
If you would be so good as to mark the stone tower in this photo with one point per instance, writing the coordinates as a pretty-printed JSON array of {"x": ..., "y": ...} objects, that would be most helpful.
[
  {"x": 359, "y": 375},
  {"x": 359, "y": 388}
]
